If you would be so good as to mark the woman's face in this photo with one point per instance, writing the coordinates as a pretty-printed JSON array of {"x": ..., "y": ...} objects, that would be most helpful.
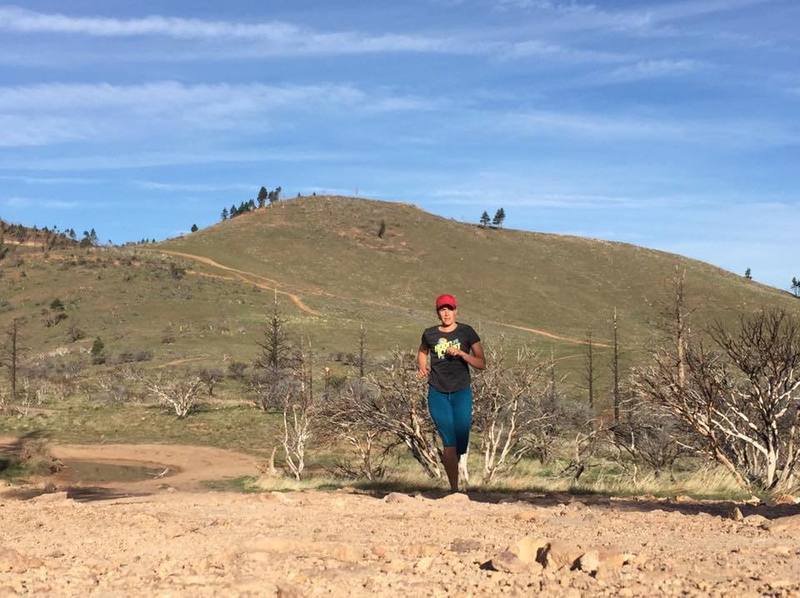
[{"x": 447, "y": 315}]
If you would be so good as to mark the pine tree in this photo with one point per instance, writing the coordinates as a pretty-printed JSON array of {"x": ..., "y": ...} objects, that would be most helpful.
[
  {"x": 234, "y": 211},
  {"x": 224, "y": 213},
  {"x": 499, "y": 216},
  {"x": 98, "y": 356},
  {"x": 748, "y": 275},
  {"x": 485, "y": 220},
  {"x": 262, "y": 197},
  {"x": 796, "y": 286},
  {"x": 194, "y": 228},
  {"x": 275, "y": 348}
]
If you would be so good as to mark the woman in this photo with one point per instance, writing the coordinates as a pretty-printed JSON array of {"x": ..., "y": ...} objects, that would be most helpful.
[{"x": 452, "y": 347}]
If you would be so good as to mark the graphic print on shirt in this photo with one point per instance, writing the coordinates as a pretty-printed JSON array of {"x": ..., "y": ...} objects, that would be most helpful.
[{"x": 443, "y": 344}]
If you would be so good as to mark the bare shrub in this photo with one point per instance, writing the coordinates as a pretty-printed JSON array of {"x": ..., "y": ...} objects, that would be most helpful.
[
  {"x": 508, "y": 409},
  {"x": 741, "y": 398},
  {"x": 344, "y": 420},
  {"x": 391, "y": 403},
  {"x": 120, "y": 386},
  {"x": 211, "y": 377},
  {"x": 32, "y": 452},
  {"x": 179, "y": 394},
  {"x": 237, "y": 370},
  {"x": 648, "y": 436}
]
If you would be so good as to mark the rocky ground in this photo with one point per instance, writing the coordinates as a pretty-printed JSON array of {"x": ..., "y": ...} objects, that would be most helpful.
[{"x": 164, "y": 539}]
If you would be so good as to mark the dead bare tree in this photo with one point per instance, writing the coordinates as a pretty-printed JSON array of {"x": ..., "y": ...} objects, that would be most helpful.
[
  {"x": 740, "y": 399},
  {"x": 508, "y": 408},
  {"x": 590, "y": 375},
  {"x": 615, "y": 367},
  {"x": 362, "y": 349},
  {"x": 299, "y": 407},
  {"x": 10, "y": 354},
  {"x": 181, "y": 394}
]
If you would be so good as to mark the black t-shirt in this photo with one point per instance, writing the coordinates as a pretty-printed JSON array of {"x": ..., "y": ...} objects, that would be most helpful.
[{"x": 448, "y": 373}]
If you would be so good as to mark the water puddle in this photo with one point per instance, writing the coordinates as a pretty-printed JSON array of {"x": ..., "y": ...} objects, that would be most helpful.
[{"x": 98, "y": 472}]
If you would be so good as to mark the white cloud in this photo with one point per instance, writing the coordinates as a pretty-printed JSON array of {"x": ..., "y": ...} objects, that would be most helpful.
[
  {"x": 651, "y": 69},
  {"x": 552, "y": 52},
  {"x": 49, "y": 180},
  {"x": 55, "y": 113},
  {"x": 154, "y": 159},
  {"x": 645, "y": 19},
  {"x": 616, "y": 127},
  {"x": 28, "y": 202},
  {"x": 195, "y": 188},
  {"x": 280, "y": 37}
]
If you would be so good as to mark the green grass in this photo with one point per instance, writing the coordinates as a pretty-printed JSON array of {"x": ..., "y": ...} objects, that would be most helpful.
[
  {"x": 604, "y": 479},
  {"x": 78, "y": 420}
]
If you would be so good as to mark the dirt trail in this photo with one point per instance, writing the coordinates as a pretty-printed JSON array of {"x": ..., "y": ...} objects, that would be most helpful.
[
  {"x": 558, "y": 337},
  {"x": 348, "y": 543},
  {"x": 179, "y": 362},
  {"x": 243, "y": 274}
]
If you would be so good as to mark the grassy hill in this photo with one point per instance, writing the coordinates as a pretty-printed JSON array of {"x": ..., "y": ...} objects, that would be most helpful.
[
  {"x": 327, "y": 251},
  {"x": 332, "y": 272}
]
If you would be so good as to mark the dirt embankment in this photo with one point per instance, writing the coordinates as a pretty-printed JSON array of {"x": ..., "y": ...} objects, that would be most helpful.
[{"x": 167, "y": 540}]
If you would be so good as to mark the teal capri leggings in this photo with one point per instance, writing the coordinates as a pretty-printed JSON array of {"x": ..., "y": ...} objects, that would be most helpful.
[{"x": 452, "y": 414}]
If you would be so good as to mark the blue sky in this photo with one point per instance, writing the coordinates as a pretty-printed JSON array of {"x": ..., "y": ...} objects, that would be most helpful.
[{"x": 674, "y": 125}]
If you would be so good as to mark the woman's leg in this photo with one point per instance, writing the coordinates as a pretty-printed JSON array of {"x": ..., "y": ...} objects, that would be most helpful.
[
  {"x": 441, "y": 410},
  {"x": 462, "y": 418}
]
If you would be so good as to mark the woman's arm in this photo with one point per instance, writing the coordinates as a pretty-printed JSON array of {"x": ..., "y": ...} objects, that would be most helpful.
[
  {"x": 422, "y": 361},
  {"x": 475, "y": 358}
]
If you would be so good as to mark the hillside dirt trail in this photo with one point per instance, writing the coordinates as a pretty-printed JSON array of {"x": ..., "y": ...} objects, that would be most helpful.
[
  {"x": 261, "y": 282},
  {"x": 172, "y": 536},
  {"x": 273, "y": 285}
]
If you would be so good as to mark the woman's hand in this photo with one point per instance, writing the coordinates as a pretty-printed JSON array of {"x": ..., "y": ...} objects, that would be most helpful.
[
  {"x": 422, "y": 372},
  {"x": 455, "y": 352}
]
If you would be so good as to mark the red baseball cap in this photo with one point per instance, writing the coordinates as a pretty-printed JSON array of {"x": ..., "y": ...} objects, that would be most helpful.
[{"x": 448, "y": 300}]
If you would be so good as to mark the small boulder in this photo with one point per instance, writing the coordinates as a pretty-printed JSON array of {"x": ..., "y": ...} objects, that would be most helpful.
[
  {"x": 734, "y": 513},
  {"x": 755, "y": 520},
  {"x": 457, "y": 498},
  {"x": 508, "y": 562},
  {"x": 789, "y": 524},
  {"x": 589, "y": 562},
  {"x": 560, "y": 555},
  {"x": 397, "y": 498},
  {"x": 461, "y": 546},
  {"x": 50, "y": 497},
  {"x": 528, "y": 548},
  {"x": 12, "y": 561},
  {"x": 604, "y": 562},
  {"x": 424, "y": 563}
]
